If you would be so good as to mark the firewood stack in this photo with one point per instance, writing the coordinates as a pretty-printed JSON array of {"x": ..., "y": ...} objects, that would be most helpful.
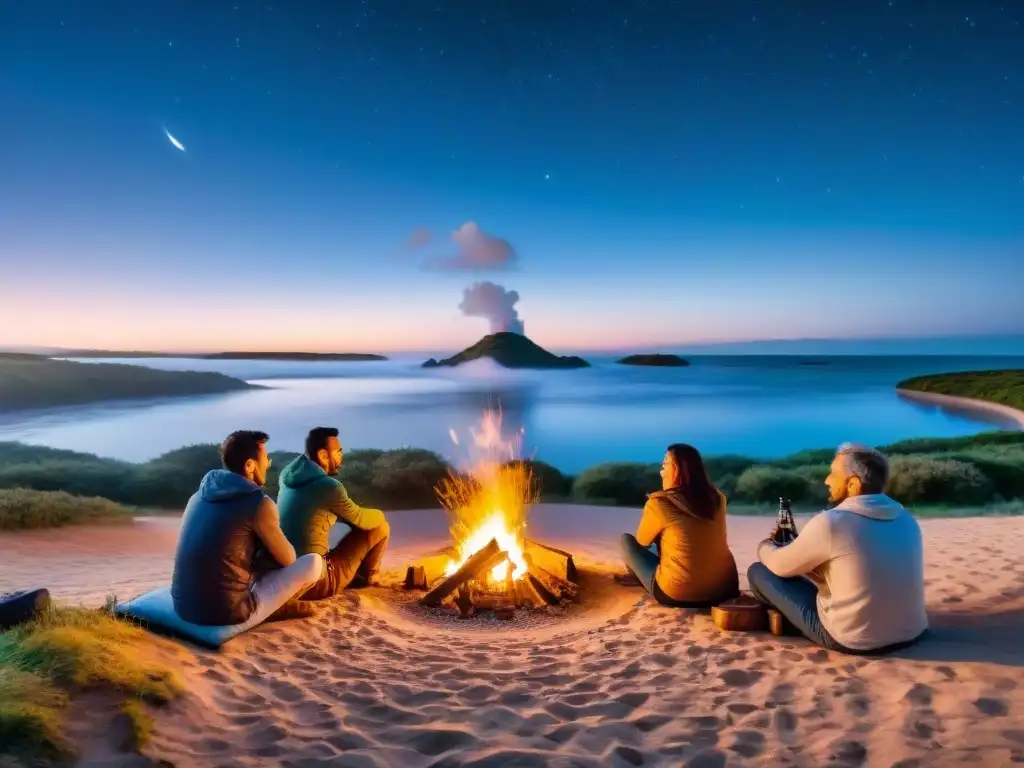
[{"x": 551, "y": 578}]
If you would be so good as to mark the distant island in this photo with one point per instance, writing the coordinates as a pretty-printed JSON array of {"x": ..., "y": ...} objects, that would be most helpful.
[
  {"x": 510, "y": 350},
  {"x": 34, "y": 381},
  {"x": 657, "y": 360},
  {"x": 352, "y": 357}
]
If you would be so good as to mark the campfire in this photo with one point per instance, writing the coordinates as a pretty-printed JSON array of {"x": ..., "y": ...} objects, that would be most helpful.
[{"x": 492, "y": 565}]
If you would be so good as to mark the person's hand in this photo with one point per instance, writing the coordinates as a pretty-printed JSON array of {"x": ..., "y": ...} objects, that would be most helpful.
[{"x": 760, "y": 549}]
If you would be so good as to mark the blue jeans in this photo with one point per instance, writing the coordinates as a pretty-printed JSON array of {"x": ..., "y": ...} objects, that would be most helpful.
[
  {"x": 643, "y": 562},
  {"x": 796, "y": 599}
]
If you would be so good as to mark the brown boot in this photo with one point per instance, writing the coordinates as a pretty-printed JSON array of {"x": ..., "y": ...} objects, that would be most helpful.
[{"x": 294, "y": 609}]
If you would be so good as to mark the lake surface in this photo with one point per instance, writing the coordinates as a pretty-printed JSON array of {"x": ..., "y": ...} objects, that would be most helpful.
[{"x": 762, "y": 406}]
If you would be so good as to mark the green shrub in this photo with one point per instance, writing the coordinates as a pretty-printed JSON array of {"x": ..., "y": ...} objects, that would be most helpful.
[
  {"x": 815, "y": 475},
  {"x": 821, "y": 456},
  {"x": 549, "y": 481},
  {"x": 921, "y": 480},
  {"x": 1006, "y": 477},
  {"x": 767, "y": 484},
  {"x": 357, "y": 477},
  {"x": 21, "y": 508},
  {"x": 727, "y": 485},
  {"x": 624, "y": 483},
  {"x": 170, "y": 479},
  {"x": 279, "y": 460},
  {"x": 719, "y": 467},
  {"x": 405, "y": 478},
  {"x": 193, "y": 460},
  {"x": 24, "y": 453},
  {"x": 1011, "y": 454},
  {"x": 81, "y": 478},
  {"x": 918, "y": 445}
]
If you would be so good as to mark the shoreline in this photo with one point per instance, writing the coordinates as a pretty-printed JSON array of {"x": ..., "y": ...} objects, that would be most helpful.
[{"x": 966, "y": 405}]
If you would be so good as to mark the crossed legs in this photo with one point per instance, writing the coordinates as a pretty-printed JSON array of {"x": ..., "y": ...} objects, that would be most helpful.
[{"x": 355, "y": 561}]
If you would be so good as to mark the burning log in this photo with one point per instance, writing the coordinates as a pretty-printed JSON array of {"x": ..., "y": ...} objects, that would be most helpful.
[
  {"x": 464, "y": 601},
  {"x": 487, "y": 602},
  {"x": 547, "y": 595},
  {"x": 528, "y": 594},
  {"x": 433, "y": 569},
  {"x": 552, "y": 588},
  {"x": 479, "y": 563},
  {"x": 554, "y": 561}
]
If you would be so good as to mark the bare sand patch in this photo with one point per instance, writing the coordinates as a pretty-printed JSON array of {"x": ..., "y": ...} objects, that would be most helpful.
[{"x": 615, "y": 681}]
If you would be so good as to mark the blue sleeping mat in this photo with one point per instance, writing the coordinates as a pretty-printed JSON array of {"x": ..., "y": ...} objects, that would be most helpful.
[{"x": 155, "y": 611}]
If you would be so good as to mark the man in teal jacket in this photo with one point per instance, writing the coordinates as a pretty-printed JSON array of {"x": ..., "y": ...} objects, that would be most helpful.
[{"x": 311, "y": 499}]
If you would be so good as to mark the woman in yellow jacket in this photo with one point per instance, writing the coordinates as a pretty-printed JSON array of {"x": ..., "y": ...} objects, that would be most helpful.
[{"x": 686, "y": 519}]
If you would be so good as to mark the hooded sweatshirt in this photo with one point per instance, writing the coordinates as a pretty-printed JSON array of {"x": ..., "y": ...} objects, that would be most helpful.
[
  {"x": 696, "y": 563},
  {"x": 310, "y": 501},
  {"x": 213, "y": 566},
  {"x": 867, "y": 558}
]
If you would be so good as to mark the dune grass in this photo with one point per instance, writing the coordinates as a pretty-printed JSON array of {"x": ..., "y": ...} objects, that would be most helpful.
[
  {"x": 68, "y": 650},
  {"x": 22, "y": 508},
  {"x": 1003, "y": 387},
  {"x": 32, "y": 381}
]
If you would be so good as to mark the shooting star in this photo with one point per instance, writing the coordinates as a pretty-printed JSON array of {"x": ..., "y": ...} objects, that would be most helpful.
[{"x": 174, "y": 141}]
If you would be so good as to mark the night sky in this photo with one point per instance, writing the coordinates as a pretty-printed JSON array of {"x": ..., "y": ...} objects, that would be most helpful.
[{"x": 640, "y": 173}]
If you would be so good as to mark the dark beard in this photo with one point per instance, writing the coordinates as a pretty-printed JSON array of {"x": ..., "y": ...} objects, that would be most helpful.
[{"x": 833, "y": 503}]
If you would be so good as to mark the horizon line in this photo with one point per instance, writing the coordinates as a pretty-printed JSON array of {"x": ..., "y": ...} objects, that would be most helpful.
[{"x": 662, "y": 346}]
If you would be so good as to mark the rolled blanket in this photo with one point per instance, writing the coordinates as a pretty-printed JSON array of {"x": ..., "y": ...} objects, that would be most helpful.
[{"x": 19, "y": 607}]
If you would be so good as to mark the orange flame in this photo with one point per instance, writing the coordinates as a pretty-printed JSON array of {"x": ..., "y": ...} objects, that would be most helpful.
[{"x": 490, "y": 501}]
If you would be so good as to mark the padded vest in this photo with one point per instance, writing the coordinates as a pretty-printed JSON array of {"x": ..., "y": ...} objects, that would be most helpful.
[{"x": 217, "y": 546}]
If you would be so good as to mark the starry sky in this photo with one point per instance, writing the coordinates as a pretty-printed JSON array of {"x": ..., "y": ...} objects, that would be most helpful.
[{"x": 638, "y": 173}]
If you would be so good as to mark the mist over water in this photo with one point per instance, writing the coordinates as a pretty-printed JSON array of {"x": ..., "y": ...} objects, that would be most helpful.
[{"x": 761, "y": 406}]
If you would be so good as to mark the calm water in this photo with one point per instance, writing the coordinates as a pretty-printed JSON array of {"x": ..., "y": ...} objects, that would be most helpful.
[{"x": 758, "y": 406}]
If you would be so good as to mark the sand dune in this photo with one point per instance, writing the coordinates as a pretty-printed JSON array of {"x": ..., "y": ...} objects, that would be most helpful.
[{"x": 376, "y": 680}]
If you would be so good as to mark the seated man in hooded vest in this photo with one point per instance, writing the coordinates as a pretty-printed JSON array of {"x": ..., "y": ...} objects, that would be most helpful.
[
  {"x": 229, "y": 524},
  {"x": 312, "y": 499}
]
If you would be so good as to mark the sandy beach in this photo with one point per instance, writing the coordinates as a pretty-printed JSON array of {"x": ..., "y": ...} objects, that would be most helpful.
[
  {"x": 1007, "y": 416},
  {"x": 376, "y": 680}
]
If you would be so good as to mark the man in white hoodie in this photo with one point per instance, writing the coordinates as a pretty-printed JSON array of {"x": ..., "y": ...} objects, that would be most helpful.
[{"x": 853, "y": 580}]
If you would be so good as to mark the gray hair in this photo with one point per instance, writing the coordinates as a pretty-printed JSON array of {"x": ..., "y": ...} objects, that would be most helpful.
[{"x": 865, "y": 463}]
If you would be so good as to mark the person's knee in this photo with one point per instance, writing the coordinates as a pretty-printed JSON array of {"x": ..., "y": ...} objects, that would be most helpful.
[
  {"x": 312, "y": 566},
  {"x": 627, "y": 543},
  {"x": 758, "y": 576},
  {"x": 757, "y": 573}
]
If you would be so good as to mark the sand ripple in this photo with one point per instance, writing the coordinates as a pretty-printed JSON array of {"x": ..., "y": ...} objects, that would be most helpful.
[{"x": 375, "y": 680}]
